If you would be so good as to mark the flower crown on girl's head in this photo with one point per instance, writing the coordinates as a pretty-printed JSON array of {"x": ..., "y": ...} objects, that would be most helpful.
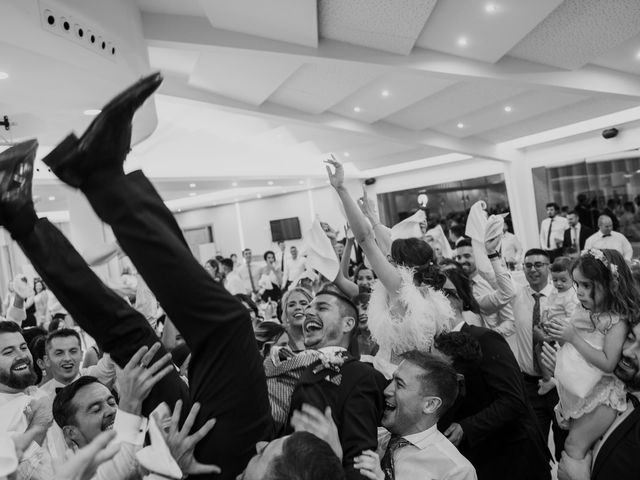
[{"x": 599, "y": 255}]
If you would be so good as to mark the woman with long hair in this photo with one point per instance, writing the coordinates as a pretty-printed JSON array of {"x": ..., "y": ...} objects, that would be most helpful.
[
  {"x": 294, "y": 303},
  {"x": 407, "y": 307}
]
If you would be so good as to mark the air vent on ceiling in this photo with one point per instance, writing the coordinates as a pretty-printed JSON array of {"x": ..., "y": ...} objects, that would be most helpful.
[{"x": 62, "y": 23}]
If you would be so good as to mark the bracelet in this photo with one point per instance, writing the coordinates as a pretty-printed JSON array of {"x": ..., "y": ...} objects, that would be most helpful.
[{"x": 494, "y": 255}]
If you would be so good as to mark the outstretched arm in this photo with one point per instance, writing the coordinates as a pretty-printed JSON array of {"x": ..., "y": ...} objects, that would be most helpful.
[
  {"x": 382, "y": 232},
  {"x": 363, "y": 232}
]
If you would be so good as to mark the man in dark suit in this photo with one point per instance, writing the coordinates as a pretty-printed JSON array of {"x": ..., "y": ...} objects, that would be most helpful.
[
  {"x": 577, "y": 233},
  {"x": 492, "y": 424},
  {"x": 354, "y": 390},
  {"x": 616, "y": 455}
]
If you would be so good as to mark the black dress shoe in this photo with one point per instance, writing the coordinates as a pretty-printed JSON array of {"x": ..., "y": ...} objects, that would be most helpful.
[
  {"x": 107, "y": 141},
  {"x": 16, "y": 175}
]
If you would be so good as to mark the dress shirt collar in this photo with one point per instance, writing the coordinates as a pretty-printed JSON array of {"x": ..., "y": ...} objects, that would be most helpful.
[
  {"x": 459, "y": 326},
  {"x": 422, "y": 439},
  {"x": 332, "y": 350},
  {"x": 546, "y": 291}
]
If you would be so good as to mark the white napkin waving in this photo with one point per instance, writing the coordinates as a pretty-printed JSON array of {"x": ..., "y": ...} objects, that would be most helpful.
[
  {"x": 409, "y": 227},
  {"x": 441, "y": 240},
  {"x": 157, "y": 458},
  {"x": 320, "y": 253}
]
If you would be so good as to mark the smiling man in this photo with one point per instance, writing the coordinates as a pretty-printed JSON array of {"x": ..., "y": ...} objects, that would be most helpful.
[
  {"x": 423, "y": 388},
  {"x": 353, "y": 389},
  {"x": 63, "y": 357}
]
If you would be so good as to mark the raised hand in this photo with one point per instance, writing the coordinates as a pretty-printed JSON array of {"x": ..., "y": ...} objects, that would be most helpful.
[
  {"x": 369, "y": 465},
  {"x": 139, "y": 377},
  {"x": 182, "y": 445},
  {"x": 83, "y": 465},
  {"x": 336, "y": 177},
  {"x": 312, "y": 420}
]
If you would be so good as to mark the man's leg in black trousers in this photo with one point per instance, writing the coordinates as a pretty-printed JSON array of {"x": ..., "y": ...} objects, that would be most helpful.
[
  {"x": 117, "y": 328},
  {"x": 225, "y": 374}
]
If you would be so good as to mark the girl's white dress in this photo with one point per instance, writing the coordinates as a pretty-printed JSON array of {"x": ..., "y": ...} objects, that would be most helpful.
[
  {"x": 407, "y": 320},
  {"x": 581, "y": 386}
]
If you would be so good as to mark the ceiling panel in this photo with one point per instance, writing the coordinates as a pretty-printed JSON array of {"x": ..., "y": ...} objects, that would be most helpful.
[
  {"x": 316, "y": 87},
  {"x": 172, "y": 60},
  {"x": 489, "y": 35},
  {"x": 527, "y": 105},
  {"x": 452, "y": 103},
  {"x": 171, "y": 7},
  {"x": 579, "y": 31},
  {"x": 558, "y": 118},
  {"x": 388, "y": 25},
  {"x": 624, "y": 57},
  {"x": 401, "y": 89},
  {"x": 292, "y": 21},
  {"x": 247, "y": 77}
]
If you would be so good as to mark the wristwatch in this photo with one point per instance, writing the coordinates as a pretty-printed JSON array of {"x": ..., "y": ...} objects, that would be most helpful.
[{"x": 494, "y": 255}]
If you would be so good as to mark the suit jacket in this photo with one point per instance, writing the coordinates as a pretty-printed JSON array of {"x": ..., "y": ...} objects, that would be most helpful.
[
  {"x": 618, "y": 457},
  {"x": 501, "y": 437},
  {"x": 585, "y": 232},
  {"x": 356, "y": 404}
]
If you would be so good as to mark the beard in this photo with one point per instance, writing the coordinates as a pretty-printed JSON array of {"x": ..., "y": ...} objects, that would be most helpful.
[{"x": 18, "y": 380}]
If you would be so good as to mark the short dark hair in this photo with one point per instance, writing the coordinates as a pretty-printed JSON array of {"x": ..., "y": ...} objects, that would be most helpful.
[
  {"x": 347, "y": 307},
  {"x": 64, "y": 412},
  {"x": 439, "y": 378},
  {"x": 561, "y": 264},
  {"x": 458, "y": 230},
  {"x": 37, "y": 349},
  {"x": 7, "y": 326},
  {"x": 266, "y": 254},
  {"x": 554, "y": 205},
  {"x": 458, "y": 346},
  {"x": 361, "y": 298},
  {"x": 305, "y": 457},
  {"x": 62, "y": 333},
  {"x": 572, "y": 212},
  {"x": 536, "y": 251},
  {"x": 227, "y": 262},
  {"x": 465, "y": 242},
  {"x": 246, "y": 250}
]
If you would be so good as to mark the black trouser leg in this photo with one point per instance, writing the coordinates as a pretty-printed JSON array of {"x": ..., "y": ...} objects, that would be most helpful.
[
  {"x": 113, "y": 323},
  {"x": 225, "y": 374},
  {"x": 543, "y": 406}
]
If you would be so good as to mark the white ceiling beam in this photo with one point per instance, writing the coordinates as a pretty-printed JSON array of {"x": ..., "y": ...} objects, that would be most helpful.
[
  {"x": 176, "y": 86},
  {"x": 193, "y": 33}
]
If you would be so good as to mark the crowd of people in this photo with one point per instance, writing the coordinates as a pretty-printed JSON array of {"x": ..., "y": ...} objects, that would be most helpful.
[{"x": 408, "y": 352}]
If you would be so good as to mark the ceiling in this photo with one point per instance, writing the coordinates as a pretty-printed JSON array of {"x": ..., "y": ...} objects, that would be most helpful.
[{"x": 258, "y": 92}]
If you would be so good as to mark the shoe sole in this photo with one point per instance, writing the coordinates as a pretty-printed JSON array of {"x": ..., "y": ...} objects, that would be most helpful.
[{"x": 61, "y": 156}]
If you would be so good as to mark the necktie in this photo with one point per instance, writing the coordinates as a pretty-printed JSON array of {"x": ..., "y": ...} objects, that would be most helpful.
[
  {"x": 574, "y": 234},
  {"x": 282, "y": 263},
  {"x": 549, "y": 234},
  {"x": 253, "y": 286},
  {"x": 396, "y": 442},
  {"x": 536, "y": 309}
]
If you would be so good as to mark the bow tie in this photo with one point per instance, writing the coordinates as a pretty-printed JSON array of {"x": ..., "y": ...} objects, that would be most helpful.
[{"x": 604, "y": 235}]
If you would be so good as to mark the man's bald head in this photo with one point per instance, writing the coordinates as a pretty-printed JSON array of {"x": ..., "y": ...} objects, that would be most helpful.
[{"x": 605, "y": 224}]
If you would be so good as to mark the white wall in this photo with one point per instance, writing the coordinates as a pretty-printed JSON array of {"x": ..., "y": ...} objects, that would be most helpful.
[{"x": 255, "y": 215}]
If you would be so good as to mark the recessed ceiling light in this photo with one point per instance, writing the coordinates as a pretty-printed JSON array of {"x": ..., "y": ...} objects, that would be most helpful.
[
  {"x": 52, "y": 198},
  {"x": 270, "y": 182},
  {"x": 92, "y": 112},
  {"x": 357, "y": 109},
  {"x": 258, "y": 196},
  {"x": 508, "y": 108},
  {"x": 3, "y": 75},
  {"x": 192, "y": 194},
  {"x": 192, "y": 185},
  {"x": 490, "y": 8},
  {"x": 385, "y": 93},
  {"x": 463, "y": 42},
  {"x": 346, "y": 154},
  {"x": 234, "y": 184},
  {"x": 460, "y": 125},
  {"x": 179, "y": 210}
]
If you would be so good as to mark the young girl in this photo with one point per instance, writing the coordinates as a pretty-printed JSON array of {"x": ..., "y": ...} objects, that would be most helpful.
[{"x": 590, "y": 395}]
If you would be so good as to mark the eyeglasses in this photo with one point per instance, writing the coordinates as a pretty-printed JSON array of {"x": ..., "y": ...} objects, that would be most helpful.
[{"x": 537, "y": 265}]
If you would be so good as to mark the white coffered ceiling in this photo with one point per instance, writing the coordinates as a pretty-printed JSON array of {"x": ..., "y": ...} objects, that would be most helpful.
[{"x": 259, "y": 92}]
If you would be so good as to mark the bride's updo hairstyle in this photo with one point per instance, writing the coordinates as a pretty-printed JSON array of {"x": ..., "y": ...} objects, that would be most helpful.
[{"x": 417, "y": 254}]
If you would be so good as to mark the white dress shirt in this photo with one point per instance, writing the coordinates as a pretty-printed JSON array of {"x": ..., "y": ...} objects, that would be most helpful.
[
  {"x": 495, "y": 303},
  {"x": 243, "y": 273},
  {"x": 558, "y": 226},
  {"x": 293, "y": 269},
  {"x": 233, "y": 283},
  {"x": 523, "y": 312},
  {"x": 430, "y": 456},
  {"x": 616, "y": 241}
]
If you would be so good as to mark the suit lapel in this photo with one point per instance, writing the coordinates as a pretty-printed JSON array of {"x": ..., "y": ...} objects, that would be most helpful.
[
  {"x": 616, "y": 436},
  {"x": 313, "y": 375}
]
